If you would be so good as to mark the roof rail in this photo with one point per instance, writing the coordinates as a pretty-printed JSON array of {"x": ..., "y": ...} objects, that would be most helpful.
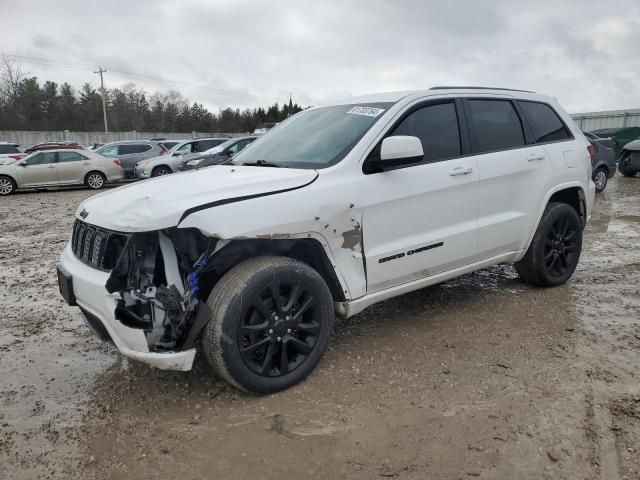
[{"x": 458, "y": 87}]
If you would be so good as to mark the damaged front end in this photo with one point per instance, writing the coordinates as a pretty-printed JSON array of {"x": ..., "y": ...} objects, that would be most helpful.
[{"x": 157, "y": 277}]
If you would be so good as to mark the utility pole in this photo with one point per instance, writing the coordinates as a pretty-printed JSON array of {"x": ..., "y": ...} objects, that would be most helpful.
[{"x": 103, "y": 95}]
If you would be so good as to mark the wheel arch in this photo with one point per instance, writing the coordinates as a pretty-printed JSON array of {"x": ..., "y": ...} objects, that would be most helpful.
[
  {"x": 11, "y": 178},
  {"x": 95, "y": 170},
  {"x": 572, "y": 194},
  {"x": 156, "y": 167},
  {"x": 307, "y": 250}
]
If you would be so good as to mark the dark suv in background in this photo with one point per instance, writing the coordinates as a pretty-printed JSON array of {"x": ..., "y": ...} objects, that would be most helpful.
[{"x": 131, "y": 152}]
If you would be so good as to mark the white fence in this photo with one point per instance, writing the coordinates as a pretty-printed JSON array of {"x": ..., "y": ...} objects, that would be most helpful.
[
  {"x": 607, "y": 119},
  {"x": 28, "y": 138}
]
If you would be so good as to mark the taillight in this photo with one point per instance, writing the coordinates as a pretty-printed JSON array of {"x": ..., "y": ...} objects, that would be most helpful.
[
  {"x": 592, "y": 152},
  {"x": 117, "y": 162},
  {"x": 16, "y": 157}
]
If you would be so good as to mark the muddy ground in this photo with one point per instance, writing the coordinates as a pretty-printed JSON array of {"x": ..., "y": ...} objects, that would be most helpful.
[{"x": 480, "y": 377}]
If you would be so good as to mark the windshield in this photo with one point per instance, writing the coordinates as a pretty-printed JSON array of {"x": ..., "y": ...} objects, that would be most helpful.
[{"x": 316, "y": 138}]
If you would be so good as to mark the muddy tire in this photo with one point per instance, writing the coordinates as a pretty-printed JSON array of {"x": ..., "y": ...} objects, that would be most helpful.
[
  {"x": 160, "y": 171},
  {"x": 7, "y": 185},
  {"x": 95, "y": 180},
  {"x": 599, "y": 177},
  {"x": 555, "y": 249},
  {"x": 628, "y": 173},
  {"x": 271, "y": 319}
]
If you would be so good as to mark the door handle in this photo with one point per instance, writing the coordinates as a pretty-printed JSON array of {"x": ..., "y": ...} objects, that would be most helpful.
[
  {"x": 85, "y": 163},
  {"x": 536, "y": 156},
  {"x": 460, "y": 171},
  {"x": 51, "y": 166}
]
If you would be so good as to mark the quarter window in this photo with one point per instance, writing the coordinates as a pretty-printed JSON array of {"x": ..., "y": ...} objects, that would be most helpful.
[
  {"x": 70, "y": 157},
  {"x": 545, "y": 123},
  {"x": 496, "y": 125},
  {"x": 437, "y": 128},
  {"x": 133, "y": 148}
]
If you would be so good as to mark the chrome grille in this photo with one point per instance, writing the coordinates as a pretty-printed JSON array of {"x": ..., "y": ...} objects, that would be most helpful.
[{"x": 97, "y": 247}]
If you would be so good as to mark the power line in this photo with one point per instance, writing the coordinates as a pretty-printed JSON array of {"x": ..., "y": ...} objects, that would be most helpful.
[
  {"x": 102, "y": 95},
  {"x": 79, "y": 66}
]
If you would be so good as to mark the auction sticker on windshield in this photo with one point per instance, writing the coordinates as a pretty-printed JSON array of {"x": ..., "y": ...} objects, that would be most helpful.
[{"x": 367, "y": 111}]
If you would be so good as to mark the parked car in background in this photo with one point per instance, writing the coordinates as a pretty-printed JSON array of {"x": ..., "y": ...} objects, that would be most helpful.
[
  {"x": 216, "y": 155},
  {"x": 94, "y": 146},
  {"x": 170, "y": 163},
  {"x": 130, "y": 152},
  {"x": 169, "y": 144},
  {"x": 59, "y": 167},
  {"x": 10, "y": 152},
  {"x": 338, "y": 208},
  {"x": 54, "y": 146},
  {"x": 629, "y": 160},
  {"x": 619, "y": 136},
  {"x": 603, "y": 164},
  {"x": 601, "y": 139}
]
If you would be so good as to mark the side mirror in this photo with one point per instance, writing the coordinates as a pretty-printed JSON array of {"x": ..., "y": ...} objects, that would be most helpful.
[
  {"x": 401, "y": 148},
  {"x": 395, "y": 152}
]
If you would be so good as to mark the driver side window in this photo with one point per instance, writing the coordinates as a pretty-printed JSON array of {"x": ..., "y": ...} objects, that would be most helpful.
[{"x": 41, "y": 158}]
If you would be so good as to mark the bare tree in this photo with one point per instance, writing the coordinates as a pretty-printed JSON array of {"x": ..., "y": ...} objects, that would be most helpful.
[{"x": 11, "y": 75}]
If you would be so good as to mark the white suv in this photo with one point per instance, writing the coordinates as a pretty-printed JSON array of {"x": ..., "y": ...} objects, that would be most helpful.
[{"x": 335, "y": 209}]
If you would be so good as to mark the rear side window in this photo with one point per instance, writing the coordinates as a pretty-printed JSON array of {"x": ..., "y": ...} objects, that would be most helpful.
[
  {"x": 9, "y": 149},
  {"x": 496, "y": 125},
  {"x": 133, "y": 148},
  {"x": 545, "y": 123},
  {"x": 205, "y": 145},
  {"x": 437, "y": 128},
  {"x": 70, "y": 157},
  {"x": 41, "y": 158}
]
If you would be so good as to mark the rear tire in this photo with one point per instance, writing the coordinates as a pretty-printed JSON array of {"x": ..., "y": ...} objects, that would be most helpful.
[
  {"x": 599, "y": 177},
  {"x": 7, "y": 185},
  {"x": 555, "y": 249},
  {"x": 95, "y": 180},
  {"x": 271, "y": 319},
  {"x": 160, "y": 171}
]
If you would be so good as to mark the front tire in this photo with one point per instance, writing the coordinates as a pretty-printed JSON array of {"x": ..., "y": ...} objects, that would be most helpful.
[
  {"x": 7, "y": 186},
  {"x": 95, "y": 180},
  {"x": 600, "y": 179},
  {"x": 271, "y": 319},
  {"x": 555, "y": 249},
  {"x": 160, "y": 171}
]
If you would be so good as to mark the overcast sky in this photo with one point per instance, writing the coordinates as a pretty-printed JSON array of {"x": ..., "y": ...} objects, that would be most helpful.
[{"x": 254, "y": 52}]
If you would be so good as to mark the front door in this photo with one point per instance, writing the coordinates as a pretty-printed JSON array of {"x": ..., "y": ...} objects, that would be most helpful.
[
  {"x": 422, "y": 219},
  {"x": 40, "y": 169},
  {"x": 72, "y": 167}
]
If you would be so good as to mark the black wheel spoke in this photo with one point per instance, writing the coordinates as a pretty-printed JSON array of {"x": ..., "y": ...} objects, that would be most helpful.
[
  {"x": 553, "y": 260},
  {"x": 284, "y": 359},
  {"x": 563, "y": 260},
  {"x": 265, "y": 368},
  {"x": 299, "y": 345},
  {"x": 296, "y": 291},
  {"x": 275, "y": 294},
  {"x": 308, "y": 302},
  {"x": 548, "y": 256},
  {"x": 312, "y": 328},
  {"x": 255, "y": 346},
  {"x": 259, "y": 305},
  {"x": 570, "y": 236},
  {"x": 247, "y": 329}
]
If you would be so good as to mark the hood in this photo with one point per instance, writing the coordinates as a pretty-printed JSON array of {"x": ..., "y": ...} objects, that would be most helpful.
[
  {"x": 160, "y": 202},
  {"x": 633, "y": 146}
]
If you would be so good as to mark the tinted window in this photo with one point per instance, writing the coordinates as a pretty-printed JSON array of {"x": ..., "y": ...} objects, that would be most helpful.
[
  {"x": 545, "y": 123},
  {"x": 497, "y": 125},
  {"x": 437, "y": 128},
  {"x": 207, "y": 144},
  {"x": 41, "y": 158},
  {"x": 109, "y": 151},
  {"x": 70, "y": 157},
  {"x": 133, "y": 148},
  {"x": 238, "y": 146},
  {"x": 9, "y": 149},
  {"x": 183, "y": 150}
]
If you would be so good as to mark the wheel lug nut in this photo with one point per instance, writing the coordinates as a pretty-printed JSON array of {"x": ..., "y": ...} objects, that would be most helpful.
[
  {"x": 288, "y": 317},
  {"x": 271, "y": 330},
  {"x": 279, "y": 339},
  {"x": 288, "y": 330}
]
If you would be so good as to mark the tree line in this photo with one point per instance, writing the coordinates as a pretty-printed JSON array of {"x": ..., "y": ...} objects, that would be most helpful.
[{"x": 26, "y": 104}]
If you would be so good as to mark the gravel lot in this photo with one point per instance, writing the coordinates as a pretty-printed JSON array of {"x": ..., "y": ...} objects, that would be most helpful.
[{"x": 480, "y": 377}]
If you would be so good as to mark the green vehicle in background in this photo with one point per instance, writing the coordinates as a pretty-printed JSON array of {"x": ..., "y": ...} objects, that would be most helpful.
[{"x": 619, "y": 136}]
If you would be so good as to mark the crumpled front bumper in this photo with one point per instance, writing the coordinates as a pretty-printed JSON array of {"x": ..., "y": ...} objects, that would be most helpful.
[{"x": 92, "y": 296}]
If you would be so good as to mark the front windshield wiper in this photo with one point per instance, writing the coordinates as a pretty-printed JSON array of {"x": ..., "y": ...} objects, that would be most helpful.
[{"x": 261, "y": 163}]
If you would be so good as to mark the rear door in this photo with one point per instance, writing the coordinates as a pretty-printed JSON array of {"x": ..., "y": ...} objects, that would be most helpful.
[
  {"x": 72, "y": 167},
  {"x": 422, "y": 219},
  {"x": 131, "y": 153},
  {"x": 513, "y": 172},
  {"x": 39, "y": 169}
]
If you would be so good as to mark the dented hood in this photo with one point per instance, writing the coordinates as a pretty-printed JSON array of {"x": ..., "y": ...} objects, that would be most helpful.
[{"x": 161, "y": 202}]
